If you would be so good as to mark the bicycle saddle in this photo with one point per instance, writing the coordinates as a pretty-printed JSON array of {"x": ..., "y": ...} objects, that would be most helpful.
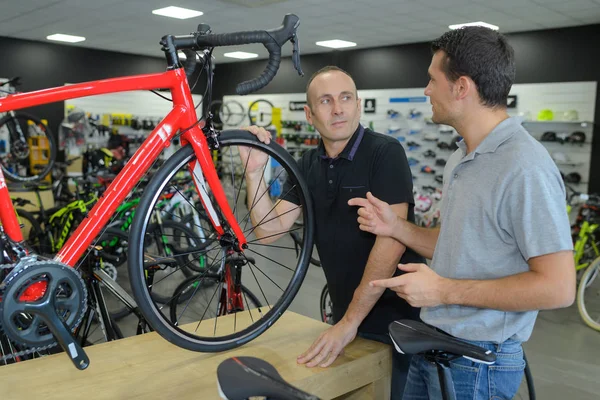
[
  {"x": 412, "y": 337},
  {"x": 240, "y": 378}
]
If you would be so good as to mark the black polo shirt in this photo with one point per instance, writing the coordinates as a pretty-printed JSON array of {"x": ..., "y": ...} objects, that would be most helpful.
[{"x": 370, "y": 162}]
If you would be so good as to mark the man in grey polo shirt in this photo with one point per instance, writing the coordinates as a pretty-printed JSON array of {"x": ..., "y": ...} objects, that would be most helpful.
[{"x": 503, "y": 250}]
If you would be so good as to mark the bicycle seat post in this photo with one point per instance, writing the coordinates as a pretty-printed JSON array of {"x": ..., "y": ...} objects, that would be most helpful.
[{"x": 442, "y": 363}]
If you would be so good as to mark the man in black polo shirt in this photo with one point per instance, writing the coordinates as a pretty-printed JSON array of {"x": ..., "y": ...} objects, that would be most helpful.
[{"x": 349, "y": 162}]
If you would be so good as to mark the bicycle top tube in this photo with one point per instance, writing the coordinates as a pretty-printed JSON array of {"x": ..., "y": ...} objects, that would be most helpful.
[{"x": 181, "y": 118}]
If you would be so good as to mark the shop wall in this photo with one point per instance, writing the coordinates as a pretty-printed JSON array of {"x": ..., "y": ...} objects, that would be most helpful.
[
  {"x": 559, "y": 55},
  {"x": 42, "y": 65}
]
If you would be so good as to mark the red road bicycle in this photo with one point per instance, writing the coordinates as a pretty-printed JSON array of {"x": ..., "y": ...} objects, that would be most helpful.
[{"x": 42, "y": 300}]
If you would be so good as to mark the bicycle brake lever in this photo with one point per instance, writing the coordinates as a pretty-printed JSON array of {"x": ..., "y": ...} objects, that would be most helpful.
[{"x": 296, "y": 55}]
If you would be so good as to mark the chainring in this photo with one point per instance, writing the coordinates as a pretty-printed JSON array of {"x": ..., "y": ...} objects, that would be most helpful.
[{"x": 64, "y": 288}]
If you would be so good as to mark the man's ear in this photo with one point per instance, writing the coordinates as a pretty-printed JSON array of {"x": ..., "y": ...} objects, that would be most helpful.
[
  {"x": 462, "y": 87},
  {"x": 308, "y": 113}
]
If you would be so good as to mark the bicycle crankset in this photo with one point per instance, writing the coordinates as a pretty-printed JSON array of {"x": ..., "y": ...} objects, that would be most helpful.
[{"x": 43, "y": 302}]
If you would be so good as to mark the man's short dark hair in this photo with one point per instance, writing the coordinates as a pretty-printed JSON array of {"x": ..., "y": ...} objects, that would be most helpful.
[
  {"x": 483, "y": 55},
  {"x": 323, "y": 70}
]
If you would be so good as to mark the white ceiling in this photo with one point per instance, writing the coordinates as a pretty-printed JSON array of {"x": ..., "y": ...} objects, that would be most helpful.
[{"x": 129, "y": 26}]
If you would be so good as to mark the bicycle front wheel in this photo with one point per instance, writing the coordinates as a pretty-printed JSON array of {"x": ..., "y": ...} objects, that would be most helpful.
[
  {"x": 27, "y": 148},
  {"x": 588, "y": 295},
  {"x": 210, "y": 318}
]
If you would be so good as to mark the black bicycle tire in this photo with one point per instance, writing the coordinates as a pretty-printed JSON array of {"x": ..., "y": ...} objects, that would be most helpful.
[
  {"x": 123, "y": 311},
  {"x": 297, "y": 241},
  {"x": 157, "y": 297},
  {"x": 53, "y": 150},
  {"x": 529, "y": 378},
  {"x": 250, "y": 112},
  {"x": 172, "y": 310},
  {"x": 151, "y": 314},
  {"x": 323, "y": 299},
  {"x": 189, "y": 218},
  {"x": 35, "y": 226}
]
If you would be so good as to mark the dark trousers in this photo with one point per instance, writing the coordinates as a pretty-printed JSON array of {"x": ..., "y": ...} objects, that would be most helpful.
[{"x": 400, "y": 364}]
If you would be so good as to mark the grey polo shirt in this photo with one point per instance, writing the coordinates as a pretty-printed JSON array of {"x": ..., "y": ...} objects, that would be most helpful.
[{"x": 502, "y": 204}]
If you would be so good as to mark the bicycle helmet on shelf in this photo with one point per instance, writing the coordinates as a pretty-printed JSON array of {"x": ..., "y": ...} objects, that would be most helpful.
[
  {"x": 545, "y": 115},
  {"x": 429, "y": 154},
  {"x": 440, "y": 161},
  {"x": 548, "y": 137},
  {"x": 427, "y": 169},
  {"x": 576, "y": 137},
  {"x": 439, "y": 178},
  {"x": 573, "y": 177},
  {"x": 571, "y": 115}
]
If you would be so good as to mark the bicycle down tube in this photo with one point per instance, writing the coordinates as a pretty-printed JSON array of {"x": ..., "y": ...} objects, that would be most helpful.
[{"x": 182, "y": 116}]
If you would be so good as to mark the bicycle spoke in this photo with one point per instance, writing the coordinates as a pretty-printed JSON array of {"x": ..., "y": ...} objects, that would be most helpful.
[
  {"x": 247, "y": 217},
  {"x": 165, "y": 277},
  {"x": 234, "y": 321},
  {"x": 249, "y": 231},
  {"x": 202, "y": 318},
  {"x": 276, "y": 247},
  {"x": 218, "y": 308},
  {"x": 259, "y": 287},
  {"x": 270, "y": 259},
  {"x": 266, "y": 276},
  {"x": 276, "y": 234},
  {"x": 263, "y": 174},
  {"x": 248, "y": 304},
  {"x": 233, "y": 184}
]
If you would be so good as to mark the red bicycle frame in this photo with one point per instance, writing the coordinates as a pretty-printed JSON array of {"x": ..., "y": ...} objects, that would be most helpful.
[{"x": 181, "y": 118}]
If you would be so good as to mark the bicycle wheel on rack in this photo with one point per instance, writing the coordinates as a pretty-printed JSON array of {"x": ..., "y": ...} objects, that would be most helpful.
[
  {"x": 274, "y": 272},
  {"x": 232, "y": 113},
  {"x": 326, "y": 306},
  {"x": 30, "y": 151},
  {"x": 260, "y": 113},
  {"x": 588, "y": 295}
]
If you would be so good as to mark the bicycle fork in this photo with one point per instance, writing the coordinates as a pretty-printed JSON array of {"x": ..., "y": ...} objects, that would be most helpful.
[{"x": 203, "y": 171}]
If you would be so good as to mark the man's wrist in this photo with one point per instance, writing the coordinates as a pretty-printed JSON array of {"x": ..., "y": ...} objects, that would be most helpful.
[
  {"x": 449, "y": 291},
  {"x": 399, "y": 229},
  {"x": 351, "y": 320}
]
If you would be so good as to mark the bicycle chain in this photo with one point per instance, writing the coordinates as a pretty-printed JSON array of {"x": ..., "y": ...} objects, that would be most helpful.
[{"x": 27, "y": 351}]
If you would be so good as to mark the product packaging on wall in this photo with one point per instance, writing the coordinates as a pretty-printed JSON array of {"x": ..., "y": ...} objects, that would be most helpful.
[{"x": 134, "y": 114}]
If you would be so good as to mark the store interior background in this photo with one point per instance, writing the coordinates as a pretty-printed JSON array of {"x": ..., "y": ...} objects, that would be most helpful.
[{"x": 563, "y": 352}]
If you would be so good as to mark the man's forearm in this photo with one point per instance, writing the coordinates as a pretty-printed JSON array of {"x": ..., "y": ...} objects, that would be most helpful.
[
  {"x": 522, "y": 292},
  {"x": 263, "y": 215},
  {"x": 382, "y": 263},
  {"x": 422, "y": 240}
]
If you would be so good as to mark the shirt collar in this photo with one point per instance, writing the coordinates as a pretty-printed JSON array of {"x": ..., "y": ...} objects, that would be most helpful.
[
  {"x": 500, "y": 134},
  {"x": 351, "y": 147}
]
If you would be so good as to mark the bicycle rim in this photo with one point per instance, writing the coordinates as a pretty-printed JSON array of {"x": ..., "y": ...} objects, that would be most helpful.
[{"x": 263, "y": 268}]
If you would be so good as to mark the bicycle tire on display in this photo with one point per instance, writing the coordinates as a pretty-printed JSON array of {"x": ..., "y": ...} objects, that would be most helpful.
[
  {"x": 590, "y": 274},
  {"x": 161, "y": 323},
  {"x": 254, "y": 120},
  {"x": 51, "y": 141},
  {"x": 232, "y": 113}
]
